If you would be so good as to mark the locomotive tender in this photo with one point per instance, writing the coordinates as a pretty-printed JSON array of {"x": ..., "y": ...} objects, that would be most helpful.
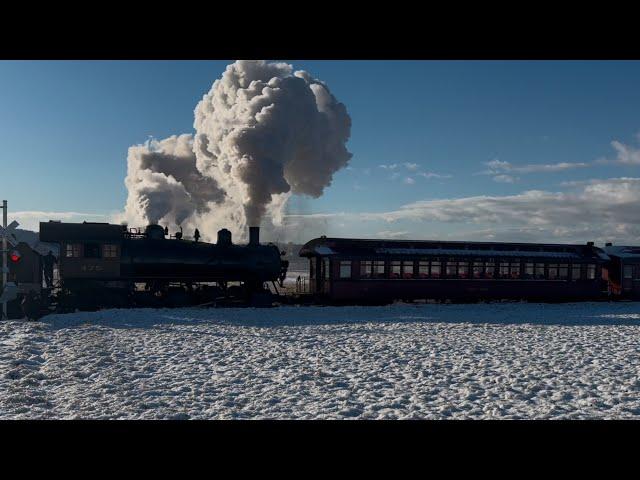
[{"x": 105, "y": 265}]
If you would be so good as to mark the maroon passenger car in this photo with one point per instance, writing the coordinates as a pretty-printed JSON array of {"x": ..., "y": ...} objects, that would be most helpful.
[{"x": 381, "y": 271}]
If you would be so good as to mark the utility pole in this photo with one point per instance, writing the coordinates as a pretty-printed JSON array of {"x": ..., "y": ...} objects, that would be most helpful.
[{"x": 4, "y": 254}]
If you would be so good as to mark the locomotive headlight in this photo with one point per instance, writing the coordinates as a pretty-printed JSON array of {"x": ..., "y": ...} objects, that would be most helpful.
[{"x": 15, "y": 256}]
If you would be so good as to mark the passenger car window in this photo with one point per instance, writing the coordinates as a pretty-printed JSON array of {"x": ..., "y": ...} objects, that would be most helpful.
[
  {"x": 628, "y": 271},
  {"x": 423, "y": 268},
  {"x": 576, "y": 272},
  {"x": 591, "y": 272},
  {"x": 378, "y": 268},
  {"x": 436, "y": 268},
  {"x": 489, "y": 269},
  {"x": 407, "y": 269},
  {"x": 563, "y": 272},
  {"x": 395, "y": 269},
  {"x": 365, "y": 268},
  {"x": 451, "y": 269},
  {"x": 528, "y": 270},
  {"x": 463, "y": 269},
  {"x": 478, "y": 269},
  {"x": 503, "y": 271},
  {"x": 345, "y": 269},
  {"x": 514, "y": 269}
]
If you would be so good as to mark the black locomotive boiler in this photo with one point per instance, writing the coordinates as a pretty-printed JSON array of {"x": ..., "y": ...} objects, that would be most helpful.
[{"x": 104, "y": 265}]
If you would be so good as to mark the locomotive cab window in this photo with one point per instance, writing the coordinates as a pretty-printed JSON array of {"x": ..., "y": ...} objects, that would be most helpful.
[
  {"x": 591, "y": 272},
  {"x": 91, "y": 250},
  {"x": 110, "y": 250},
  {"x": 72, "y": 250},
  {"x": 628, "y": 271}
]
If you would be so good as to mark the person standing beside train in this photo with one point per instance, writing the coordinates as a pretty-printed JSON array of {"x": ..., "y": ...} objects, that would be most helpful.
[{"x": 48, "y": 261}]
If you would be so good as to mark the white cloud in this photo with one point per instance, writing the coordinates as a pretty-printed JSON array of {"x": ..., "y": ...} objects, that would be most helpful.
[
  {"x": 433, "y": 175},
  {"x": 392, "y": 166},
  {"x": 600, "y": 210},
  {"x": 30, "y": 219},
  {"x": 392, "y": 234},
  {"x": 505, "y": 179},
  {"x": 409, "y": 181},
  {"x": 626, "y": 154},
  {"x": 498, "y": 167}
]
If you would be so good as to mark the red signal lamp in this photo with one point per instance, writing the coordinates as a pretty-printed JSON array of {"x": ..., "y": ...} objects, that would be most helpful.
[{"x": 15, "y": 256}]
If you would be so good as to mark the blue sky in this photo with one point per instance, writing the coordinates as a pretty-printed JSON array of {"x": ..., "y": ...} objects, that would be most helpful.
[{"x": 65, "y": 128}]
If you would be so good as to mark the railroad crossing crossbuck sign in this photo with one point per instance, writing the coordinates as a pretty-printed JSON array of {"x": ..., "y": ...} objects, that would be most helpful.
[{"x": 5, "y": 232}]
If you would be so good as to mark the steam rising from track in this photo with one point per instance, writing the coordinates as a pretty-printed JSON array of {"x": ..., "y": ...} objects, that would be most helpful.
[{"x": 263, "y": 132}]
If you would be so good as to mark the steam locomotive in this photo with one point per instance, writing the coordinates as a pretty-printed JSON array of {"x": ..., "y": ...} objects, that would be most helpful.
[{"x": 111, "y": 266}]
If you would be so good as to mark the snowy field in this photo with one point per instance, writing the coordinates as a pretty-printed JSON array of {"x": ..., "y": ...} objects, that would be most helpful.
[{"x": 402, "y": 361}]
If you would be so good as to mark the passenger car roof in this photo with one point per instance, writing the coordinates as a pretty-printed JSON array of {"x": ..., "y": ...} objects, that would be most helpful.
[
  {"x": 326, "y": 246},
  {"x": 621, "y": 251}
]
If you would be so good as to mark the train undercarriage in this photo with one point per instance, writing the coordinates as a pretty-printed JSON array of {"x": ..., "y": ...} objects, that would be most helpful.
[{"x": 96, "y": 295}]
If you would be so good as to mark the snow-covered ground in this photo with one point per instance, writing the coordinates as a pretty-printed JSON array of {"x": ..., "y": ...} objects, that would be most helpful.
[{"x": 402, "y": 361}]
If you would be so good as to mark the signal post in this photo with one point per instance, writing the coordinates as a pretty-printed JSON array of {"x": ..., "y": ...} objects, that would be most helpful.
[{"x": 4, "y": 254}]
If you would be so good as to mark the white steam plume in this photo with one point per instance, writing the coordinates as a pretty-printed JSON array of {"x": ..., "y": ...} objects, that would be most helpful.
[
  {"x": 164, "y": 184},
  {"x": 263, "y": 133}
]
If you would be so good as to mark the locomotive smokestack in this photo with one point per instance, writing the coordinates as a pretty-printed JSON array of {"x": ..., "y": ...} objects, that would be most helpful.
[
  {"x": 254, "y": 235},
  {"x": 224, "y": 237}
]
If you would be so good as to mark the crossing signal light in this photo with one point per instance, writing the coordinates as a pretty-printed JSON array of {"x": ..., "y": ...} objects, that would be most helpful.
[{"x": 15, "y": 256}]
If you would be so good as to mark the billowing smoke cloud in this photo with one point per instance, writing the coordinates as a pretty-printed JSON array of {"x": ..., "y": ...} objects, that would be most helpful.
[
  {"x": 263, "y": 133},
  {"x": 164, "y": 184}
]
